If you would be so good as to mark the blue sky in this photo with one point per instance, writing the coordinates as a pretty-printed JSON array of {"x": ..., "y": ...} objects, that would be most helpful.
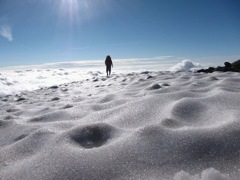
[{"x": 40, "y": 31}]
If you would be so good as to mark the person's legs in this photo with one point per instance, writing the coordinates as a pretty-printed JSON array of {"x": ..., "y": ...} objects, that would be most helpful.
[{"x": 108, "y": 70}]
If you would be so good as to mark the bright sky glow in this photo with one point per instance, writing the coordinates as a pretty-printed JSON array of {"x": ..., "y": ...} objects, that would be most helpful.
[
  {"x": 72, "y": 10},
  {"x": 41, "y": 31}
]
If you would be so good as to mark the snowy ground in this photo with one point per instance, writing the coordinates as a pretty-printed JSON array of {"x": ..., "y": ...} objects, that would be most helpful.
[
  {"x": 148, "y": 125},
  {"x": 31, "y": 77}
]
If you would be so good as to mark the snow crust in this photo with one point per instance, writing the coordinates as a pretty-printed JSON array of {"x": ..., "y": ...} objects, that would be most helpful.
[
  {"x": 146, "y": 125},
  {"x": 28, "y": 78}
]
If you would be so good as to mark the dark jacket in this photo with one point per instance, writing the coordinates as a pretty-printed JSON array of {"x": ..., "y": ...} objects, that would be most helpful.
[{"x": 108, "y": 61}]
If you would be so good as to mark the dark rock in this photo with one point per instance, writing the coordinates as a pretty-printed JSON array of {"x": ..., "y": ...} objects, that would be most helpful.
[
  {"x": 209, "y": 70},
  {"x": 228, "y": 65},
  {"x": 219, "y": 68},
  {"x": 165, "y": 84},
  {"x": 144, "y": 72},
  {"x": 67, "y": 106},
  {"x": 55, "y": 99},
  {"x": 53, "y": 87},
  {"x": 234, "y": 67},
  {"x": 64, "y": 89},
  {"x": 201, "y": 70},
  {"x": 130, "y": 74},
  {"x": 155, "y": 86},
  {"x": 236, "y": 64},
  {"x": 20, "y": 99}
]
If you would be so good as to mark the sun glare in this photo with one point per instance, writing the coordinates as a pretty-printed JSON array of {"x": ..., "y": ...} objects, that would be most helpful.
[
  {"x": 75, "y": 10},
  {"x": 70, "y": 9}
]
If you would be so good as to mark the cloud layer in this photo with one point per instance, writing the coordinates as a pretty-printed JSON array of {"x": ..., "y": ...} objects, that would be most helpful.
[{"x": 6, "y": 32}]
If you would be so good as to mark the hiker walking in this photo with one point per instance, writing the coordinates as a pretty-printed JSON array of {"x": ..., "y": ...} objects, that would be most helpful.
[{"x": 109, "y": 65}]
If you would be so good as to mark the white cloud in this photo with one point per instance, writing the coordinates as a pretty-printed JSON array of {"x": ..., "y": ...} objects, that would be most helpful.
[
  {"x": 186, "y": 65},
  {"x": 6, "y": 32}
]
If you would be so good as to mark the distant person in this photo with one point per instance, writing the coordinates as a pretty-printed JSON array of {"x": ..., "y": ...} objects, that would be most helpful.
[{"x": 109, "y": 65}]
